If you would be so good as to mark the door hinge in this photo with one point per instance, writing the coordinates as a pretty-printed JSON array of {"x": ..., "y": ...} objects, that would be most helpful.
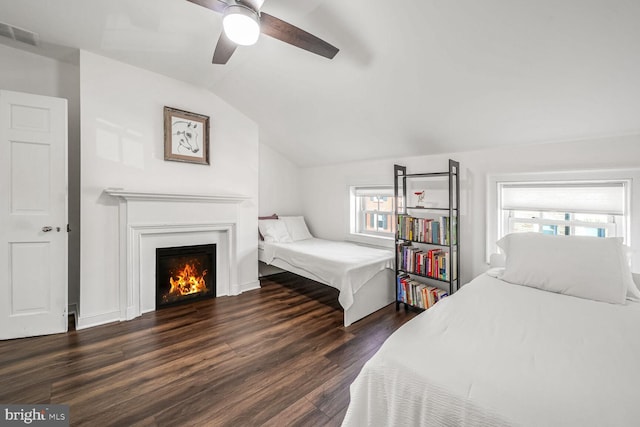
[{"x": 68, "y": 228}]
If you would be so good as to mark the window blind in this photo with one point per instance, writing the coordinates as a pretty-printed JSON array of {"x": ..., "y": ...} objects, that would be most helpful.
[
  {"x": 373, "y": 191},
  {"x": 588, "y": 197}
]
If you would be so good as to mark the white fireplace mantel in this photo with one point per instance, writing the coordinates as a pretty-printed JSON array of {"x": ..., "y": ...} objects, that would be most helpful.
[
  {"x": 158, "y": 196},
  {"x": 148, "y": 220}
]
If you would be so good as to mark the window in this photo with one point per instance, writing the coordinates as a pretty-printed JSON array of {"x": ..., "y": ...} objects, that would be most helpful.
[
  {"x": 372, "y": 211},
  {"x": 561, "y": 223},
  {"x": 572, "y": 208}
]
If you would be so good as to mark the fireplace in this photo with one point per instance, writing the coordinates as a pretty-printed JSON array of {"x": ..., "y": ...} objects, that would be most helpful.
[{"x": 185, "y": 274}]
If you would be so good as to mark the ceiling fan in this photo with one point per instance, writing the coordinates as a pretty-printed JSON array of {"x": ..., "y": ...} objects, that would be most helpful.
[{"x": 243, "y": 22}]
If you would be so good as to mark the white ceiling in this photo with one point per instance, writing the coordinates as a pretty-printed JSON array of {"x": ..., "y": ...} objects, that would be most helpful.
[{"x": 411, "y": 78}]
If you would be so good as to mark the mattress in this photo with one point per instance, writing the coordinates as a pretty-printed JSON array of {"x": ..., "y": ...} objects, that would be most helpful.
[
  {"x": 342, "y": 265},
  {"x": 501, "y": 354}
]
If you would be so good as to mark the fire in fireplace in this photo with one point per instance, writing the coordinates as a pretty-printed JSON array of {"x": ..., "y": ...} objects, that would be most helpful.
[{"x": 185, "y": 274}]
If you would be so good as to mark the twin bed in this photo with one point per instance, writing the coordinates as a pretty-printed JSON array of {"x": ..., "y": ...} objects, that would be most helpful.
[
  {"x": 546, "y": 341},
  {"x": 363, "y": 275}
]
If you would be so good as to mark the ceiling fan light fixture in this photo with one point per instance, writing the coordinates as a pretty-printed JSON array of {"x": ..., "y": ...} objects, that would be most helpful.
[{"x": 241, "y": 24}]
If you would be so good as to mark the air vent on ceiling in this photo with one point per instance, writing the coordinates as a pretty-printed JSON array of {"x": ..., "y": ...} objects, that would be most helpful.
[{"x": 18, "y": 34}]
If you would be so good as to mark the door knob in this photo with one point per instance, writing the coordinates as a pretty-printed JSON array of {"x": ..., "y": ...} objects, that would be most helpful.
[{"x": 47, "y": 228}]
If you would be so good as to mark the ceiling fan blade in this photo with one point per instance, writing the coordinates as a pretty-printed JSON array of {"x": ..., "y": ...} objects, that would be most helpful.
[
  {"x": 215, "y": 5},
  {"x": 224, "y": 49},
  {"x": 281, "y": 30}
]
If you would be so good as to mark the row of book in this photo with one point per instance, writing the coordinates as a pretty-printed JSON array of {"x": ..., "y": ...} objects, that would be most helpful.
[
  {"x": 427, "y": 230},
  {"x": 418, "y": 294},
  {"x": 434, "y": 263}
]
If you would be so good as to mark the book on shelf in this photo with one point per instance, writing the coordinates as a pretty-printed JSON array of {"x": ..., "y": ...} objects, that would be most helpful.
[
  {"x": 434, "y": 263},
  {"x": 426, "y": 230},
  {"x": 454, "y": 264},
  {"x": 418, "y": 294}
]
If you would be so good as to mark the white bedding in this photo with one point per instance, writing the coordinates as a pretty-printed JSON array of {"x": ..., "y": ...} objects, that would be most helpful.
[
  {"x": 501, "y": 354},
  {"x": 342, "y": 265}
]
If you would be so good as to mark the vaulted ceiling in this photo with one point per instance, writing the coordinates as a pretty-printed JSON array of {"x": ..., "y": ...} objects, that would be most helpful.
[{"x": 411, "y": 78}]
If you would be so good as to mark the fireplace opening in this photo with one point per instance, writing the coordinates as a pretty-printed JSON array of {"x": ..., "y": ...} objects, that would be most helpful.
[{"x": 185, "y": 274}]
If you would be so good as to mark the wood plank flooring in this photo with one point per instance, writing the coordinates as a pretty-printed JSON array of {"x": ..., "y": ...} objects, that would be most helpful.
[{"x": 276, "y": 356}]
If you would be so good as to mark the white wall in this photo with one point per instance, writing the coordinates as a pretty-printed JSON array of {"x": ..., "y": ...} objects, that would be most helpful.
[
  {"x": 122, "y": 146},
  {"x": 326, "y": 188},
  {"x": 279, "y": 184},
  {"x": 279, "y": 190},
  {"x": 27, "y": 72}
]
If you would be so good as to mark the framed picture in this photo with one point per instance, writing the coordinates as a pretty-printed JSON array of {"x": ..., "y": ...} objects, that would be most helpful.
[{"x": 186, "y": 136}]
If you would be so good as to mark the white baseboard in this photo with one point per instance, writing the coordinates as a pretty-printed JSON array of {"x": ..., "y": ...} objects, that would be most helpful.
[
  {"x": 250, "y": 286},
  {"x": 83, "y": 322}
]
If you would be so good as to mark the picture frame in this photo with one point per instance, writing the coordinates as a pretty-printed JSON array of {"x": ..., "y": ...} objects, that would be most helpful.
[{"x": 186, "y": 136}]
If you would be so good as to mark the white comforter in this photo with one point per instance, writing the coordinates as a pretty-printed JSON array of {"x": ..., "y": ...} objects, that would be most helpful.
[
  {"x": 501, "y": 354},
  {"x": 344, "y": 266}
]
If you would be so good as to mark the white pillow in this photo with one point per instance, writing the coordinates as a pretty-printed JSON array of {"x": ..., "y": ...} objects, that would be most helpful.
[
  {"x": 633, "y": 293},
  {"x": 587, "y": 267},
  {"x": 497, "y": 260},
  {"x": 274, "y": 231},
  {"x": 297, "y": 227}
]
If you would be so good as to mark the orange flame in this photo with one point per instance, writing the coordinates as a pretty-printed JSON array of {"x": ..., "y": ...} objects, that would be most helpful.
[{"x": 188, "y": 281}]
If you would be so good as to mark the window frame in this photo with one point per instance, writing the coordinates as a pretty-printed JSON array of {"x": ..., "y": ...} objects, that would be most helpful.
[
  {"x": 612, "y": 227},
  {"x": 357, "y": 215},
  {"x": 495, "y": 221},
  {"x": 362, "y": 215}
]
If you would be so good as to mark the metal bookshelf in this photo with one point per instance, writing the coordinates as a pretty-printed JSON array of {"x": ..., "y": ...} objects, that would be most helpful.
[{"x": 401, "y": 177}]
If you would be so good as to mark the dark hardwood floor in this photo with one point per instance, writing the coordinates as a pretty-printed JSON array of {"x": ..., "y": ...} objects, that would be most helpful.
[{"x": 274, "y": 356}]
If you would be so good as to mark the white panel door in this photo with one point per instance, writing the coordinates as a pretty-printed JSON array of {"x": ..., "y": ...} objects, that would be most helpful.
[{"x": 33, "y": 215}]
